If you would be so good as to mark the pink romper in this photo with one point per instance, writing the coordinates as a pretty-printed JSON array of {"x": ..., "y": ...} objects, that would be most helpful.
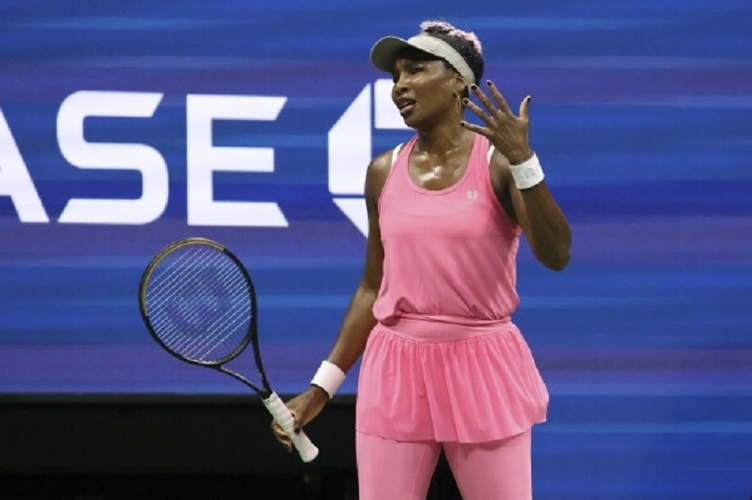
[{"x": 445, "y": 362}]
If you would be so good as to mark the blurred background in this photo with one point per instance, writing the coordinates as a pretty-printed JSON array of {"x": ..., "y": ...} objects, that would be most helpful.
[{"x": 125, "y": 126}]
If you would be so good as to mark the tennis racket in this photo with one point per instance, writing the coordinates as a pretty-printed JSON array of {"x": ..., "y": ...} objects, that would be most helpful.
[{"x": 198, "y": 302}]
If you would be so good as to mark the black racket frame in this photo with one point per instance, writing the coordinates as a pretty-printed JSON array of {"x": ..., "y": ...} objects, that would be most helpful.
[{"x": 251, "y": 336}]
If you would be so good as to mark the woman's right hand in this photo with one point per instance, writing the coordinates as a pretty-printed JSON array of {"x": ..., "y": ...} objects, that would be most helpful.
[{"x": 304, "y": 408}]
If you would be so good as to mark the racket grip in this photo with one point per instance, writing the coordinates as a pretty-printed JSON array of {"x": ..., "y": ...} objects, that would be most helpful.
[{"x": 284, "y": 418}]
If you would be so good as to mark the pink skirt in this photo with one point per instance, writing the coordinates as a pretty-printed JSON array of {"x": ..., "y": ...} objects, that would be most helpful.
[{"x": 427, "y": 380}]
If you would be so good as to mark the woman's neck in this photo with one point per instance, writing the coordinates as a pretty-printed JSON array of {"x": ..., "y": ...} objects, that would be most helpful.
[{"x": 444, "y": 139}]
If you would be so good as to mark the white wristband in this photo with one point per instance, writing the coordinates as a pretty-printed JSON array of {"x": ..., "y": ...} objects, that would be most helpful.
[
  {"x": 528, "y": 173},
  {"x": 328, "y": 377}
]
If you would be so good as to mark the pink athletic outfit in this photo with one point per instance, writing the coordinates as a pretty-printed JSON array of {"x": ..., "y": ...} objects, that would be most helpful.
[{"x": 445, "y": 363}]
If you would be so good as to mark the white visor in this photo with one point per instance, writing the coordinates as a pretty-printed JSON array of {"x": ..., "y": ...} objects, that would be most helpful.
[{"x": 385, "y": 51}]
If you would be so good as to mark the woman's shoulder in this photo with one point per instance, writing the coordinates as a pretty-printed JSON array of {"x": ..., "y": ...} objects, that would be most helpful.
[
  {"x": 381, "y": 164},
  {"x": 378, "y": 171}
]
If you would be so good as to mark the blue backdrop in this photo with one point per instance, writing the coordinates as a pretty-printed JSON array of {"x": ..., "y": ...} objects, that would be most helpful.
[{"x": 124, "y": 127}]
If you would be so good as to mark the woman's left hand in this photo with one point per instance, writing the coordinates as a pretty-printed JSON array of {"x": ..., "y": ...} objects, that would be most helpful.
[{"x": 507, "y": 132}]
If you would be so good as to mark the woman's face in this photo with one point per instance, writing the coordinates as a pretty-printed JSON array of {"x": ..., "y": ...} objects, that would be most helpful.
[{"x": 424, "y": 90}]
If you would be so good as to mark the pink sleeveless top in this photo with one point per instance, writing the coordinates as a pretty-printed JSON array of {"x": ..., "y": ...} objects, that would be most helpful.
[
  {"x": 445, "y": 362},
  {"x": 448, "y": 254}
]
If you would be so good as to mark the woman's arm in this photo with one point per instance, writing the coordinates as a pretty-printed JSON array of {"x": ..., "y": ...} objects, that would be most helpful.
[
  {"x": 538, "y": 214},
  {"x": 358, "y": 320},
  {"x": 534, "y": 208}
]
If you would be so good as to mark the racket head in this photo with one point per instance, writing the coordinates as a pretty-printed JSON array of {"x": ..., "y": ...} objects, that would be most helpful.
[{"x": 198, "y": 302}]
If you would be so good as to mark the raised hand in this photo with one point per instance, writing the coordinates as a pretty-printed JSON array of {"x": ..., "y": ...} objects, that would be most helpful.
[{"x": 507, "y": 132}]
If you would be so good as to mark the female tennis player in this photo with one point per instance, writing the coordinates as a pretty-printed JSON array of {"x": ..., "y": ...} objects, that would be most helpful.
[{"x": 444, "y": 366}]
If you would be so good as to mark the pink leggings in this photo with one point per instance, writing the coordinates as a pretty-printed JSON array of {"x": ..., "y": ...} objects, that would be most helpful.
[{"x": 402, "y": 470}]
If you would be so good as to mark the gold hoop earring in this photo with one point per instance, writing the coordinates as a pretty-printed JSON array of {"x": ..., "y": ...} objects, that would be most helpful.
[{"x": 458, "y": 100}]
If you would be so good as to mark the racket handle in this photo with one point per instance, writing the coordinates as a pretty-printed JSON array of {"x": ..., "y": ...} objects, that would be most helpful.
[{"x": 284, "y": 418}]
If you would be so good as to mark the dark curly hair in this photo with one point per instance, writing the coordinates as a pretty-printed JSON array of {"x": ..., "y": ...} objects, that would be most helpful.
[{"x": 465, "y": 43}]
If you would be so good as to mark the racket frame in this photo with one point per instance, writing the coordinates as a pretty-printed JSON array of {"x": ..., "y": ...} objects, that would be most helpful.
[
  {"x": 251, "y": 336},
  {"x": 269, "y": 398}
]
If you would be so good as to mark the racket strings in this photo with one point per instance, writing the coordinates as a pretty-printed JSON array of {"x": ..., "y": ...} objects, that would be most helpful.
[
  {"x": 199, "y": 303},
  {"x": 215, "y": 333},
  {"x": 195, "y": 311},
  {"x": 184, "y": 340},
  {"x": 190, "y": 302},
  {"x": 224, "y": 328}
]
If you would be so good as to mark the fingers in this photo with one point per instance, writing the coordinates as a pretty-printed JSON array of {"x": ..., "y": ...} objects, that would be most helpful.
[
  {"x": 297, "y": 425},
  {"x": 483, "y": 98},
  {"x": 303, "y": 408},
  {"x": 523, "y": 108},
  {"x": 478, "y": 112},
  {"x": 475, "y": 128},
  {"x": 500, "y": 101},
  {"x": 282, "y": 436}
]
